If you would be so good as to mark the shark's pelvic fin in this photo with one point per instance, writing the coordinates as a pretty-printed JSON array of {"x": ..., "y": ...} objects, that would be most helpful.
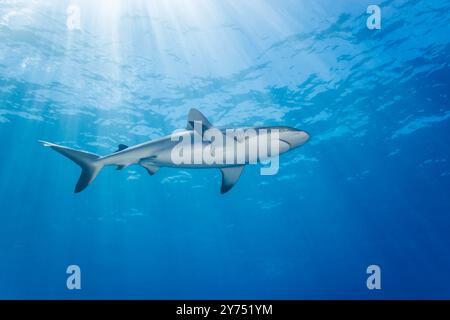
[
  {"x": 121, "y": 147},
  {"x": 151, "y": 169},
  {"x": 90, "y": 167},
  {"x": 230, "y": 175},
  {"x": 196, "y": 116}
]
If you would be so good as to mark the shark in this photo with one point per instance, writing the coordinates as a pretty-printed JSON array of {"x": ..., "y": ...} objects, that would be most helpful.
[{"x": 157, "y": 153}]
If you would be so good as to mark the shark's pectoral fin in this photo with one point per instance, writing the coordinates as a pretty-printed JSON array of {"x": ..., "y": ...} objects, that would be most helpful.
[
  {"x": 151, "y": 169},
  {"x": 230, "y": 175},
  {"x": 120, "y": 167}
]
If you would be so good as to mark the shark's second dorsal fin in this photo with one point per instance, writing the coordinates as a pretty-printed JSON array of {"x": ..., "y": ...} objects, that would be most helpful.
[
  {"x": 230, "y": 175},
  {"x": 196, "y": 116},
  {"x": 121, "y": 147}
]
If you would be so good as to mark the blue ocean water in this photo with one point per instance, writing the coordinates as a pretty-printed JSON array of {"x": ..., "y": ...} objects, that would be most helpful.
[{"x": 370, "y": 187}]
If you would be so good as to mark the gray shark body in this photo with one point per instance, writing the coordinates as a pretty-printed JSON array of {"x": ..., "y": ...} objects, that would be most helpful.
[{"x": 154, "y": 154}]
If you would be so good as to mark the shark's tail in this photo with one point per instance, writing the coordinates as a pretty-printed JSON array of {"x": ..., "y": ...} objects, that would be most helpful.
[{"x": 88, "y": 162}]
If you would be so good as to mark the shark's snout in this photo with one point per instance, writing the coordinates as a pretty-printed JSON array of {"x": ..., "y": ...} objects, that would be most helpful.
[{"x": 294, "y": 137}]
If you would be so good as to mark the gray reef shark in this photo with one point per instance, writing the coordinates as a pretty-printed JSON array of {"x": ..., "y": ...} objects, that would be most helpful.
[{"x": 202, "y": 146}]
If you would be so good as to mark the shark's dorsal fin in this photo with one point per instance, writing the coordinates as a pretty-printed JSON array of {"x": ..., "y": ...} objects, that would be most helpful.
[
  {"x": 230, "y": 175},
  {"x": 121, "y": 147},
  {"x": 196, "y": 116}
]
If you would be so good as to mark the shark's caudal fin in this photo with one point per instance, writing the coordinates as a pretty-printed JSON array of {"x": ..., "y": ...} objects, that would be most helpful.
[{"x": 87, "y": 161}]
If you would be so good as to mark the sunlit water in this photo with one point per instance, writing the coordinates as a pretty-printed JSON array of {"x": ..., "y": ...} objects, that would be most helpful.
[{"x": 371, "y": 186}]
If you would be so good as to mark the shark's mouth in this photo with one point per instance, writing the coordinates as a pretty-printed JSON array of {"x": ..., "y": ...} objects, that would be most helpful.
[
  {"x": 295, "y": 139},
  {"x": 287, "y": 142}
]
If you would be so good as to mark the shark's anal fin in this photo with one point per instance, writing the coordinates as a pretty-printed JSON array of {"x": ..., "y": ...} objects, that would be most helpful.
[
  {"x": 151, "y": 168},
  {"x": 196, "y": 116},
  {"x": 121, "y": 147},
  {"x": 230, "y": 175}
]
